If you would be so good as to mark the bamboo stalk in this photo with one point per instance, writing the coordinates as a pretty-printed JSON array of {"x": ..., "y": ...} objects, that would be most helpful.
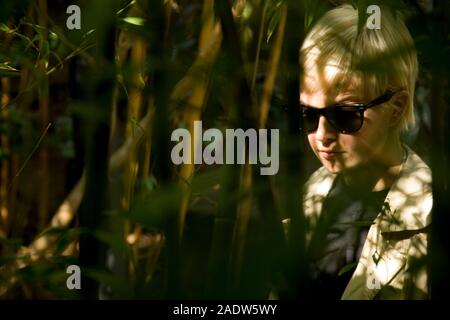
[
  {"x": 272, "y": 68},
  {"x": 43, "y": 197},
  {"x": 66, "y": 211},
  {"x": 5, "y": 203},
  {"x": 123, "y": 45},
  {"x": 242, "y": 221},
  {"x": 258, "y": 48},
  {"x": 134, "y": 111},
  {"x": 292, "y": 148},
  {"x": 136, "y": 165},
  {"x": 245, "y": 206},
  {"x": 162, "y": 84},
  {"x": 148, "y": 143},
  {"x": 154, "y": 249},
  {"x": 138, "y": 48},
  {"x": 13, "y": 192},
  {"x": 5, "y": 163},
  {"x": 99, "y": 95},
  {"x": 210, "y": 39},
  {"x": 17, "y": 218},
  {"x": 220, "y": 264}
]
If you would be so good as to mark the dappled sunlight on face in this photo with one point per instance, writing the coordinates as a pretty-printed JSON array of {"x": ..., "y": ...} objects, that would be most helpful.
[{"x": 341, "y": 152}]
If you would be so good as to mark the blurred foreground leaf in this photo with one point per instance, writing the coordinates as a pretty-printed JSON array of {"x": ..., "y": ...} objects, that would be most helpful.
[{"x": 8, "y": 71}]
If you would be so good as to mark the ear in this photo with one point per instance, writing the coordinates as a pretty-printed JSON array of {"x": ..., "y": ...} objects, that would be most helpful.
[{"x": 399, "y": 103}]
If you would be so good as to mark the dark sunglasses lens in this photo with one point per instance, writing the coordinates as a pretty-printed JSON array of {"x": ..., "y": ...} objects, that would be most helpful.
[
  {"x": 346, "y": 119},
  {"x": 310, "y": 119}
]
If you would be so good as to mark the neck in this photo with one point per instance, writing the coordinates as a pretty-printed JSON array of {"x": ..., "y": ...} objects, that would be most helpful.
[{"x": 380, "y": 173}]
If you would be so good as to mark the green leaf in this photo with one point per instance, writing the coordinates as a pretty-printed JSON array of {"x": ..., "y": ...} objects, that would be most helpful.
[
  {"x": 273, "y": 23},
  {"x": 4, "y": 27},
  {"x": 53, "y": 230},
  {"x": 126, "y": 7},
  {"x": 4, "y": 154},
  {"x": 347, "y": 268},
  {"x": 309, "y": 17},
  {"x": 54, "y": 40},
  {"x": 10, "y": 258},
  {"x": 87, "y": 34},
  {"x": 11, "y": 242},
  {"x": 36, "y": 270},
  {"x": 45, "y": 50},
  {"x": 205, "y": 181},
  {"x": 116, "y": 241},
  {"x": 118, "y": 285},
  {"x": 150, "y": 183},
  {"x": 137, "y": 21},
  {"x": 8, "y": 71},
  {"x": 66, "y": 238},
  {"x": 154, "y": 210}
]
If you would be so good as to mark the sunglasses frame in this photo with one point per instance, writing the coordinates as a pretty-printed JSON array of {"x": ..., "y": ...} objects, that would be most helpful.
[{"x": 358, "y": 107}]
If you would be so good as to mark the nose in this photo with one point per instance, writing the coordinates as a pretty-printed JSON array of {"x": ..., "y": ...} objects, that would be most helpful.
[{"x": 325, "y": 133}]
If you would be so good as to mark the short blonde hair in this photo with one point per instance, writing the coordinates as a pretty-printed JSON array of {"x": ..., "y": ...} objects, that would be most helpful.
[{"x": 336, "y": 55}]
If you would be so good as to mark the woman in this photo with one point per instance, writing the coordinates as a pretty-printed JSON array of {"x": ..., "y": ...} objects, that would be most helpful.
[{"x": 368, "y": 206}]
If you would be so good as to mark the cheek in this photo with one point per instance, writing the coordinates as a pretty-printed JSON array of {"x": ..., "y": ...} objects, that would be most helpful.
[
  {"x": 367, "y": 142},
  {"x": 375, "y": 133},
  {"x": 355, "y": 147},
  {"x": 312, "y": 141}
]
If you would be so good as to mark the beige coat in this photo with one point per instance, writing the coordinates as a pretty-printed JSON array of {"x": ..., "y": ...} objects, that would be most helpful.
[{"x": 389, "y": 266}]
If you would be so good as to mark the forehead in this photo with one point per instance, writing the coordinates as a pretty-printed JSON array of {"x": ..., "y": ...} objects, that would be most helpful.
[
  {"x": 321, "y": 96},
  {"x": 330, "y": 83}
]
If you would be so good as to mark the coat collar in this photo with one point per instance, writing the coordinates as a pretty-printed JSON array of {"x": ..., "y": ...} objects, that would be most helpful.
[
  {"x": 407, "y": 203},
  {"x": 405, "y": 212}
]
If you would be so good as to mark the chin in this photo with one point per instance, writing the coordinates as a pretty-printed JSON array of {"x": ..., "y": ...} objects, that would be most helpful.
[
  {"x": 332, "y": 167},
  {"x": 338, "y": 167}
]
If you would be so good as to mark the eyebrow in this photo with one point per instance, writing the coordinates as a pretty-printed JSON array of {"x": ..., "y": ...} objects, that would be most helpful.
[
  {"x": 329, "y": 105},
  {"x": 307, "y": 105},
  {"x": 352, "y": 98}
]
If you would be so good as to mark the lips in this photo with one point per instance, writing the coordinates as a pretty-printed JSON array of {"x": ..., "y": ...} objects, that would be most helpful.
[{"x": 329, "y": 154}]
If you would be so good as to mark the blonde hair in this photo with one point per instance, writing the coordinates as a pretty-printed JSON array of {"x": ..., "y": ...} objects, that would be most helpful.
[{"x": 336, "y": 55}]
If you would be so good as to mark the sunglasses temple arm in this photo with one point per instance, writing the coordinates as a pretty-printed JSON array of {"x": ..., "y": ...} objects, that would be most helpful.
[{"x": 384, "y": 98}]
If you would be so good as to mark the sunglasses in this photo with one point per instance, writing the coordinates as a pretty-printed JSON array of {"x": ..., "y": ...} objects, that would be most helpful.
[{"x": 344, "y": 118}]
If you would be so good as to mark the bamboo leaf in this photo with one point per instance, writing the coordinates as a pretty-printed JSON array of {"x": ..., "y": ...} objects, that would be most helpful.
[
  {"x": 118, "y": 286},
  {"x": 4, "y": 154},
  {"x": 4, "y": 27},
  {"x": 149, "y": 183},
  {"x": 53, "y": 40},
  {"x": 126, "y": 7},
  {"x": 11, "y": 242},
  {"x": 115, "y": 241},
  {"x": 8, "y": 71},
  {"x": 274, "y": 19},
  {"x": 206, "y": 181},
  {"x": 87, "y": 34},
  {"x": 65, "y": 239},
  {"x": 137, "y": 21},
  {"x": 53, "y": 230},
  {"x": 152, "y": 211},
  {"x": 4, "y": 259},
  {"x": 347, "y": 268}
]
